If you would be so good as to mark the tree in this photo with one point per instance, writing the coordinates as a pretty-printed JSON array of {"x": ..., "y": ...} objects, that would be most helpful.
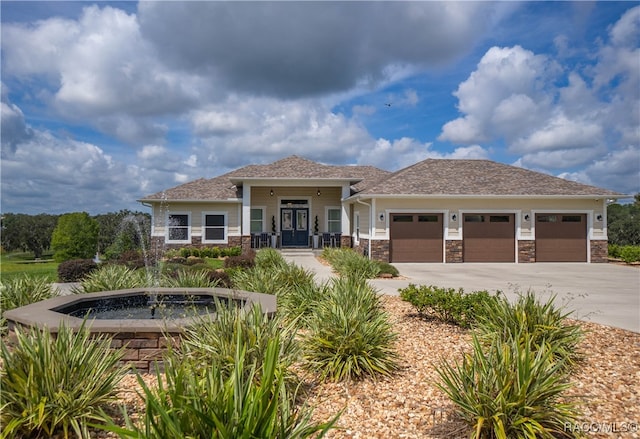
[
  {"x": 133, "y": 228},
  {"x": 75, "y": 237},
  {"x": 624, "y": 223},
  {"x": 28, "y": 232}
]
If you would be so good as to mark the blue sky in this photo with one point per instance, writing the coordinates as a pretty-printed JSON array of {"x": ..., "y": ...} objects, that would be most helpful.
[{"x": 104, "y": 103}]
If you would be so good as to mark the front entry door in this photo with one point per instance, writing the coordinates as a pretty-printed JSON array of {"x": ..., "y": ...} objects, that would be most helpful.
[{"x": 295, "y": 227}]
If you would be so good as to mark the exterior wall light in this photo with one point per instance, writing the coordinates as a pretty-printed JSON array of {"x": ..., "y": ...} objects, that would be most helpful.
[
  {"x": 599, "y": 217},
  {"x": 318, "y": 193},
  {"x": 454, "y": 217},
  {"x": 271, "y": 192},
  {"x": 526, "y": 217},
  {"x": 381, "y": 216}
]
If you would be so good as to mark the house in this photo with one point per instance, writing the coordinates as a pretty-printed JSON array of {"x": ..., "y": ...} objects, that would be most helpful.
[{"x": 436, "y": 210}]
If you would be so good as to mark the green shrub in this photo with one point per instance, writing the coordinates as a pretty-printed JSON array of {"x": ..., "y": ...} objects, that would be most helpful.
[
  {"x": 23, "y": 290},
  {"x": 387, "y": 268},
  {"x": 190, "y": 279},
  {"x": 112, "y": 277},
  {"x": 53, "y": 385},
  {"x": 246, "y": 260},
  {"x": 349, "y": 334},
  {"x": 510, "y": 390},
  {"x": 230, "y": 251},
  {"x": 209, "y": 400},
  {"x": 447, "y": 304},
  {"x": 630, "y": 253},
  {"x": 75, "y": 270},
  {"x": 543, "y": 325},
  {"x": 135, "y": 259},
  {"x": 614, "y": 250},
  {"x": 269, "y": 258},
  {"x": 346, "y": 262}
]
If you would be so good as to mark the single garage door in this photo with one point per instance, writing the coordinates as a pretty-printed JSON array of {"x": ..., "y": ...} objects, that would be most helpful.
[
  {"x": 561, "y": 237},
  {"x": 489, "y": 237},
  {"x": 416, "y": 237}
]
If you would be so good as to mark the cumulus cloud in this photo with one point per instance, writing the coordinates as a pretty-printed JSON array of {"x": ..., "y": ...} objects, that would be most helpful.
[
  {"x": 514, "y": 95},
  {"x": 265, "y": 48},
  {"x": 14, "y": 128},
  {"x": 99, "y": 69}
]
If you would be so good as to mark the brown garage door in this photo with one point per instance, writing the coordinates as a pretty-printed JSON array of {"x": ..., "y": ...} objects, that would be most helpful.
[
  {"x": 416, "y": 237},
  {"x": 561, "y": 237},
  {"x": 489, "y": 237}
]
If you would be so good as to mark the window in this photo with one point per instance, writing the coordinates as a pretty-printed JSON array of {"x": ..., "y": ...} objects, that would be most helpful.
[
  {"x": 571, "y": 218},
  {"x": 178, "y": 229},
  {"x": 214, "y": 227},
  {"x": 334, "y": 221},
  {"x": 474, "y": 218},
  {"x": 402, "y": 218},
  {"x": 499, "y": 219},
  {"x": 257, "y": 220},
  {"x": 427, "y": 218},
  {"x": 547, "y": 218}
]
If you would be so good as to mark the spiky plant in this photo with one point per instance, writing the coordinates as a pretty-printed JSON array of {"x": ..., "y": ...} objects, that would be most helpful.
[
  {"x": 23, "y": 290},
  {"x": 350, "y": 336},
  {"x": 112, "y": 277},
  {"x": 57, "y": 385}
]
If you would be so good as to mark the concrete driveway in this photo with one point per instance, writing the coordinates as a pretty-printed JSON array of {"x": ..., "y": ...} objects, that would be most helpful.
[{"x": 603, "y": 293}]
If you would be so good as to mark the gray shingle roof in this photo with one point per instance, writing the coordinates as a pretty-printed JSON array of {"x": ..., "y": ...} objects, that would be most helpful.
[
  {"x": 478, "y": 177},
  {"x": 218, "y": 188},
  {"x": 431, "y": 177},
  {"x": 223, "y": 187}
]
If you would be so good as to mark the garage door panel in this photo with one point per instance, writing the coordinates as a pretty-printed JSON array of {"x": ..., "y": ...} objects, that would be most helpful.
[
  {"x": 489, "y": 238},
  {"x": 561, "y": 238},
  {"x": 416, "y": 237}
]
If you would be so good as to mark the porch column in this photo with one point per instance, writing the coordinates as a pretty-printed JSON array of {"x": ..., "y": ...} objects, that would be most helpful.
[
  {"x": 345, "y": 227},
  {"x": 246, "y": 210}
]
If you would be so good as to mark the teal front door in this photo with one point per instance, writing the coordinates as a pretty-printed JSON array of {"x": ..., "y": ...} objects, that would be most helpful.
[{"x": 294, "y": 224}]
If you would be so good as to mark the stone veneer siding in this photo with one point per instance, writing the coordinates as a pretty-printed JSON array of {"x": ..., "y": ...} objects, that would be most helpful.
[
  {"x": 380, "y": 250},
  {"x": 144, "y": 350},
  {"x": 527, "y": 250},
  {"x": 599, "y": 251},
  {"x": 453, "y": 250}
]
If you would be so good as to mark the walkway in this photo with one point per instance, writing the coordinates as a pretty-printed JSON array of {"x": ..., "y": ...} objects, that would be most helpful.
[{"x": 608, "y": 294}]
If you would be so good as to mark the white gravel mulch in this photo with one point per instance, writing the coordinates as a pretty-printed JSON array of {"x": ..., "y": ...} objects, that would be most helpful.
[{"x": 410, "y": 405}]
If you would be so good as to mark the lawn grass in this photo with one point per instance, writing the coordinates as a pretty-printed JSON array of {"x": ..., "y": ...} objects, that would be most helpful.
[{"x": 18, "y": 263}]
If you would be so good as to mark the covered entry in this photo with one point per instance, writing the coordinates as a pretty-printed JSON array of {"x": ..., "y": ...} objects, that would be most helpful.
[
  {"x": 489, "y": 237},
  {"x": 561, "y": 237},
  {"x": 416, "y": 237}
]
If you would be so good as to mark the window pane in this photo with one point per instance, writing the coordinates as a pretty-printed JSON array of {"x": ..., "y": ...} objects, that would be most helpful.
[
  {"x": 571, "y": 218},
  {"x": 335, "y": 227},
  {"x": 178, "y": 234},
  {"x": 402, "y": 218},
  {"x": 334, "y": 214},
  {"x": 474, "y": 218},
  {"x": 214, "y": 220},
  {"x": 178, "y": 220},
  {"x": 256, "y": 214},
  {"x": 427, "y": 218},
  {"x": 214, "y": 234},
  {"x": 499, "y": 219},
  {"x": 547, "y": 218},
  {"x": 256, "y": 226}
]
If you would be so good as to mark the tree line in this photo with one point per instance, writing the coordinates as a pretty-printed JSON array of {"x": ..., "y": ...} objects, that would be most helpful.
[{"x": 75, "y": 235}]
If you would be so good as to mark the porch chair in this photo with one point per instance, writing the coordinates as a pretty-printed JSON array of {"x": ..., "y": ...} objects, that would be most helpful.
[
  {"x": 326, "y": 240},
  {"x": 265, "y": 240},
  {"x": 255, "y": 240},
  {"x": 337, "y": 239}
]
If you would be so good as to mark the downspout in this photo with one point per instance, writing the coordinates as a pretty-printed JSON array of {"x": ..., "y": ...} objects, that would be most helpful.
[{"x": 371, "y": 219}]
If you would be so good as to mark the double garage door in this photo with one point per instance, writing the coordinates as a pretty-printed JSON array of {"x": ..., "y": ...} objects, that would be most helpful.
[{"x": 488, "y": 237}]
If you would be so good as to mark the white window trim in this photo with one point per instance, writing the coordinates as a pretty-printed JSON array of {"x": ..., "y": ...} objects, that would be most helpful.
[
  {"x": 178, "y": 241},
  {"x": 356, "y": 227},
  {"x": 326, "y": 217},
  {"x": 264, "y": 218},
  {"x": 225, "y": 228}
]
